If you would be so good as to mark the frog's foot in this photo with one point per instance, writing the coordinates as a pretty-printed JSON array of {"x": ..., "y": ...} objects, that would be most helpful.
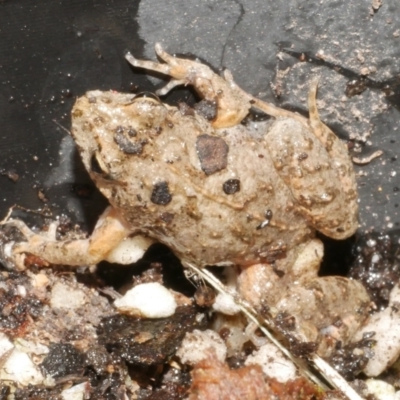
[
  {"x": 268, "y": 108},
  {"x": 109, "y": 241},
  {"x": 327, "y": 310},
  {"x": 232, "y": 104},
  {"x": 10, "y": 254}
]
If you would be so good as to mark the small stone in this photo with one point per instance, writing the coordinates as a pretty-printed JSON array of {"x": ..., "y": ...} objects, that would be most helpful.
[
  {"x": 65, "y": 296},
  {"x": 197, "y": 344},
  {"x": 225, "y": 304},
  {"x": 77, "y": 392},
  {"x": 148, "y": 300},
  {"x": 20, "y": 369},
  {"x": 273, "y": 363}
]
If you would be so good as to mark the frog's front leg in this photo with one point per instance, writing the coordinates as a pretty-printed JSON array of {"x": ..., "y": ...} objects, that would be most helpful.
[
  {"x": 232, "y": 104},
  {"x": 109, "y": 241}
]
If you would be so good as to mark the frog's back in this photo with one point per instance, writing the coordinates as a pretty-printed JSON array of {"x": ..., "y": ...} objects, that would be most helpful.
[{"x": 212, "y": 196}]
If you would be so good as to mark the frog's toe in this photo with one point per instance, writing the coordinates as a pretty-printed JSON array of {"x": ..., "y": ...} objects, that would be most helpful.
[
  {"x": 164, "y": 55},
  {"x": 169, "y": 86},
  {"x": 20, "y": 225},
  {"x": 147, "y": 64},
  {"x": 9, "y": 240}
]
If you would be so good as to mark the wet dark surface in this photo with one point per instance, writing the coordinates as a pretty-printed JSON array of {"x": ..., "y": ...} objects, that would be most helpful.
[
  {"x": 50, "y": 54},
  {"x": 16, "y": 310},
  {"x": 147, "y": 342},
  {"x": 350, "y": 360},
  {"x": 377, "y": 265},
  {"x": 63, "y": 359}
]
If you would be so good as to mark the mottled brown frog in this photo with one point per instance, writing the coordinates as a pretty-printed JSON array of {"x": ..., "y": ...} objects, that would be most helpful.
[{"x": 216, "y": 188}]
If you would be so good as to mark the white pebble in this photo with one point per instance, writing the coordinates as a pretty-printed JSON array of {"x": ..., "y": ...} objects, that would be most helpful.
[
  {"x": 7, "y": 249},
  {"x": 196, "y": 346},
  {"x": 273, "y": 363},
  {"x": 5, "y": 346},
  {"x": 148, "y": 300},
  {"x": 65, "y": 296},
  {"x": 225, "y": 304},
  {"x": 19, "y": 368},
  {"x": 77, "y": 392},
  {"x": 21, "y": 290},
  {"x": 375, "y": 258},
  {"x": 386, "y": 325},
  {"x": 380, "y": 389}
]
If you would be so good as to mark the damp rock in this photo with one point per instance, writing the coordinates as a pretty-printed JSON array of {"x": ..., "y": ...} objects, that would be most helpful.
[{"x": 145, "y": 342}]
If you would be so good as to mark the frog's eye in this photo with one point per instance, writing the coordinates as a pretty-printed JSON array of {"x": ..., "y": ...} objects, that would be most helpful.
[{"x": 97, "y": 165}]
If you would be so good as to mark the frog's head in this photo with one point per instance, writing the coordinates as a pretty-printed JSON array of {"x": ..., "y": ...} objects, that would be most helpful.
[{"x": 111, "y": 127}]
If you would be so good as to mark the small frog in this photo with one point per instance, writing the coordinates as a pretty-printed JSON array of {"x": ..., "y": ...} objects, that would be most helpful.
[{"x": 217, "y": 188}]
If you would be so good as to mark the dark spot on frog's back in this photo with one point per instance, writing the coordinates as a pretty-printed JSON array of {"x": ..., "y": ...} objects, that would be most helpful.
[
  {"x": 126, "y": 145},
  {"x": 212, "y": 152},
  {"x": 231, "y": 186},
  {"x": 161, "y": 194},
  {"x": 302, "y": 156}
]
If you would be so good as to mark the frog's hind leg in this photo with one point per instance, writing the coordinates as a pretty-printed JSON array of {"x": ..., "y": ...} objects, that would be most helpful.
[
  {"x": 337, "y": 151},
  {"x": 320, "y": 130},
  {"x": 107, "y": 238},
  {"x": 311, "y": 175},
  {"x": 268, "y": 108}
]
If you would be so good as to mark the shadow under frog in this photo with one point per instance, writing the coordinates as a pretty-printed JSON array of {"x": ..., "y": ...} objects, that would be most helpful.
[{"x": 218, "y": 192}]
